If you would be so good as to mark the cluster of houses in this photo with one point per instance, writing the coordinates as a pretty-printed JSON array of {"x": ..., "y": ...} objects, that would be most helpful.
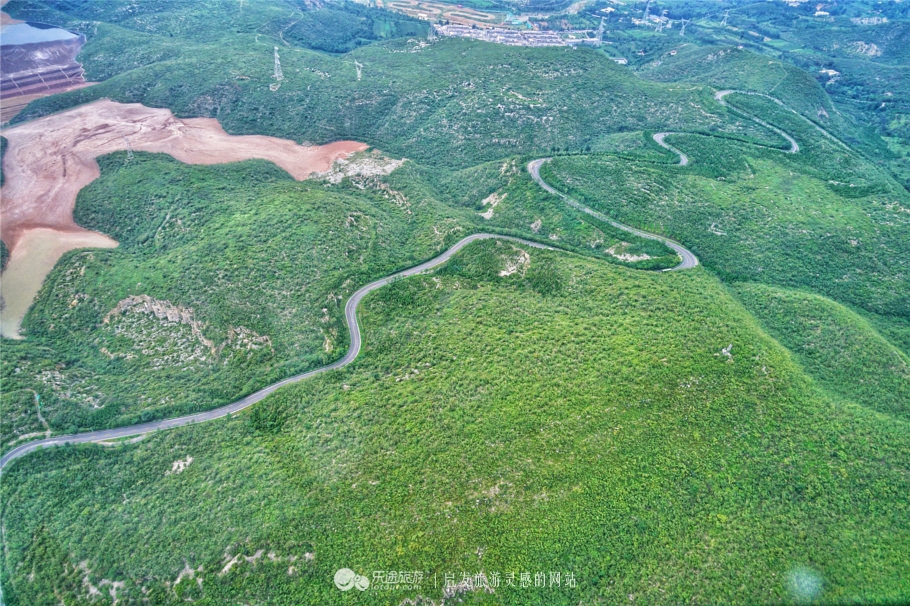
[
  {"x": 498, "y": 35},
  {"x": 513, "y": 37}
]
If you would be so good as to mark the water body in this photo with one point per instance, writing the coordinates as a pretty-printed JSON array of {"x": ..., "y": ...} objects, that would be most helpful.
[
  {"x": 33, "y": 258},
  {"x": 51, "y": 158},
  {"x": 30, "y": 32}
]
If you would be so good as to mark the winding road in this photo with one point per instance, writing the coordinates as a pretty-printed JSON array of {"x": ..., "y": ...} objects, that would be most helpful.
[
  {"x": 659, "y": 139},
  {"x": 719, "y": 97},
  {"x": 350, "y": 315},
  {"x": 688, "y": 260},
  {"x": 794, "y": 146}
]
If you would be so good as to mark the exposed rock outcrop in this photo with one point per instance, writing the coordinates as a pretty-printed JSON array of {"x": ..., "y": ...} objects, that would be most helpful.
[{"x": 163, "y": 310}]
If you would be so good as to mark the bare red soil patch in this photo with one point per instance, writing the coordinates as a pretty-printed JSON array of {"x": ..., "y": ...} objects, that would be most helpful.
[
  {"x": 10, "y": 106},
  {"x": 4, "y": 18},
  {"x": 50, "y": 159}
]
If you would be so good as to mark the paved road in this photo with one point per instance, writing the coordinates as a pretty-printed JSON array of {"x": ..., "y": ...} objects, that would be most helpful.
[
  {"x": 350, "y": 314},
  {"x": 719, "y": 97},
  {"x": 689, "y": 260},
  {"x": 659, "y": 139}
]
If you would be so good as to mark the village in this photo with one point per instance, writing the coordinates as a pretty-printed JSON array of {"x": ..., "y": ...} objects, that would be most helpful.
[{"x": 533, "y": 38}]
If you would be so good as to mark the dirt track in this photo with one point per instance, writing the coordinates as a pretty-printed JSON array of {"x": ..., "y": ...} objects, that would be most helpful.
[{"x": 50, "y": 159}]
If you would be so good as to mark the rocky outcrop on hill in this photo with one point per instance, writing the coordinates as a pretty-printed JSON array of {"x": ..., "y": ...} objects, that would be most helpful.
[{"x": 162, "y": 310}]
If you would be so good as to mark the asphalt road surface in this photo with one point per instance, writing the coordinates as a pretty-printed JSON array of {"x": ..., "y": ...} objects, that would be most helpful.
[
  {"x": 719, "y": 97},
  {"x": 688, "y": 259},
  {"x": 350, "y": 314},
  {"x": 659, "y": 139}
]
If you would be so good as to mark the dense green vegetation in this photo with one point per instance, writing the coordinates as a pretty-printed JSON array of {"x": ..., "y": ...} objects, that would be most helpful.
[
  {"x": 451, "y": 102},
  {"x": 340, "y": 31},
  {"x": 228, "y": 278},
  {"x": 821, "y": 219},
  {"x": 259, "y": 316},
  {"x": 733, "y": 68},
  {"x": 835, "y": 345},
  {"x": 896, "y": 330},
  {"x": 414, "y": 101},
  {"x": 335, "y": 28},
  {"x": 737, "y": 433},
  {"x": 407, "y": 88},
  {"x": 856, "y": 50},
  {"x": 596, "y": 428}
]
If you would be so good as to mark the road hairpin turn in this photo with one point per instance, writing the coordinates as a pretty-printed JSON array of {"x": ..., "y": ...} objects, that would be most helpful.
[{"x": 687, "y": 261}]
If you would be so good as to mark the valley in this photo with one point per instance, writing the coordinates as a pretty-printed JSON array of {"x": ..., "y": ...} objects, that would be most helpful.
[
  {"x": 306, "y": 304},
  {"x": 45, "y": 173}
]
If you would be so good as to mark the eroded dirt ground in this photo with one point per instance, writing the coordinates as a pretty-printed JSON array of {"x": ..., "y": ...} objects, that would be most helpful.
[{"x": 50, "y": 159}]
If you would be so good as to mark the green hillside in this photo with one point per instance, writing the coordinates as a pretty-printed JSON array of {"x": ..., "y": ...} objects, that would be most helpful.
[
  {"x": 734, "y": 433},
  {"x": 821, "y": 220},
  {"x": 337, "y": 27},
  {"x": 230, "y": 277},
  {"x": 836, "y": 346},
  {"x": 734, "y": 68},
  {"x": 848, "y": 71},
  {"x": 596, "y": 429},
  {"x": 452, "y": 102}
]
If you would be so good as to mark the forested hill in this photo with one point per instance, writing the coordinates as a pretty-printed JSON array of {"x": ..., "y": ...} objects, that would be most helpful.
[
  {"x": 450, "y": 102},
  {"x": 734, "y": 433}
]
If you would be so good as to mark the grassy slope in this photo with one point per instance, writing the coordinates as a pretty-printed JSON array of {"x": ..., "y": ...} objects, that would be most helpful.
[
  {"x": 872, "y": 62},
  {"x": 597, "y": 429},
  {"x": 742, "y": 69},
  {"x": 733, "y": 68},
  {"x": 242, "y": 246},
  {"x": 822, "y": 220},
  {"x": 254, "y": 255},
  {"x": 868, "y": 95},
  {"x": 337, "y": 27},
  {"x": 895, "y": 330},
  {"x": 837, "y": 347}
]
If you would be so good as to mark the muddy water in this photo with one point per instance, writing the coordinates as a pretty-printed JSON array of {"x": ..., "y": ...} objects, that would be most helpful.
[
  {"x": 30, "y": 33},
  {"x": 50, "y": 159},
  {"x": 31, "y": 260}
]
